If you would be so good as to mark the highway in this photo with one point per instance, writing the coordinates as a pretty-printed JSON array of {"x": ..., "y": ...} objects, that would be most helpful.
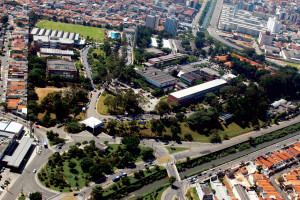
[{"x": 195, "y": 23}]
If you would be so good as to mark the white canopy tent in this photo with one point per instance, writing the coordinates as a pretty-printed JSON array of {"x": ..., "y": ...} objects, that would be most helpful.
[{"x": 93, "y": 122}]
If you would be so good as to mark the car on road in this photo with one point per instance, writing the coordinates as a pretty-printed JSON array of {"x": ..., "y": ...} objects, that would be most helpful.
[
  {"x": 36, "y": 126},
  {"x": 2, "y": 169},
  {"x": 34, "y": 171}
]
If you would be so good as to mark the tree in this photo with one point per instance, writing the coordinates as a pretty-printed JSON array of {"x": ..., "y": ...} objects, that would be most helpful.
[
  {"x": 147, "y": 154},
  {"x": 131, "y": 143},
  {"x": 36, "y": 196},
  {"x": 4, "y": 19},
  {"x": 97, "y": 192},
  {"x": 215, "y": 138},
  {"x": 280, "y": 179},
  {"x": 259, "y": 168},
  {"x": 72, "y": 164},
  {"x": 162, "y": 108},
  {"x": 172, "y": 179},
  {"x": 86, "y": 163},
  {"x": 180, "y": 116},
  {"x": 95, "y": 172}
]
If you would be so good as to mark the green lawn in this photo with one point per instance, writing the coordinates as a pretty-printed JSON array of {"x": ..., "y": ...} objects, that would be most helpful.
[
  {"x": 68, "y": 176},
  {"x": 175, "y": 149},
  {"x": 155, "y": 193},
  {"x": 92, "y": 32},
  {"x": 292, "y": 64},
  {"x": 101, "y": 108},
  {"x": 231, "y": 130}
]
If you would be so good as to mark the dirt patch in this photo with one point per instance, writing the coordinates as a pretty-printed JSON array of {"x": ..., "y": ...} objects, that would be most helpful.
[{"x": 43, "y": 92}]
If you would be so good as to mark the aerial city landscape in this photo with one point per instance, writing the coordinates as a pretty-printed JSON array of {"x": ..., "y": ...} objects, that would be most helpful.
[{"x": 150, "y": 99}]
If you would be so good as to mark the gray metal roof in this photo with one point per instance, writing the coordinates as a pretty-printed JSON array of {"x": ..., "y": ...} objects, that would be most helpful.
[
  {"x": 156, "y": 75},
  {"x": 61, "y": 65},
  {"x": 16, "y": 159}
]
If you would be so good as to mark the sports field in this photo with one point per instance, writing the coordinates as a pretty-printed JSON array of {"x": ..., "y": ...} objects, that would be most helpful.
[{"x": 92, "y": 32}]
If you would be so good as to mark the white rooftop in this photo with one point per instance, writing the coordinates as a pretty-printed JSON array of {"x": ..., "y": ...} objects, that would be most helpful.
[
  {"x": 14, "y": 127},
  {"x": 92, "y": 122},
  {"x": 198, "y": 88}
]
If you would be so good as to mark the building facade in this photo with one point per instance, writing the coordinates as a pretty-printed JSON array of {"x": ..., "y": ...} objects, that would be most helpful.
[
  {"x": 171, "y": 25},
  {"x": 64, "y": 68}
]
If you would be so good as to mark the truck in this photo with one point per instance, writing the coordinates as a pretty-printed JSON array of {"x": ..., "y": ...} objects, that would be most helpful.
[{"x": 45, "y": 143}]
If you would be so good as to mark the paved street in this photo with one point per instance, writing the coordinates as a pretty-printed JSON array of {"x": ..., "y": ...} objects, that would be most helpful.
[{"x": 195, "y": 23}]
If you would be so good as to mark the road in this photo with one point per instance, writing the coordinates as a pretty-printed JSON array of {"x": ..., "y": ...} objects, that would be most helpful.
[
  {"x": 195, "y": 23},
  {"x": 173, "y": 192},
  {"x": 85, "y": 63},
  {"x": 5, "y": 63},
  {"x": 214, "y": 24}
]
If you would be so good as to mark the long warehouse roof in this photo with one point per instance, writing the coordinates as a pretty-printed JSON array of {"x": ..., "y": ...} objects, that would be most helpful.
[{"x": 198, "y": 88}]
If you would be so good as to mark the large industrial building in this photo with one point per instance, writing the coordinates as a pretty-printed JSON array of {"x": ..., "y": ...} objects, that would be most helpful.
[
  {"x": 241, "y": 21},
  {"x": 192, "y": 94},
  {"x": 158, "y": 78},
  {"x": 55, "y": 39},
  {"x": 63, "y": 68}
]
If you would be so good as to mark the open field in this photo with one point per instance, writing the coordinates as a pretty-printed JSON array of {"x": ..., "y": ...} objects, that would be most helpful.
[
  {"x": 231, "y": 130},
  {"x": 43, "y": 92},
  {"x": 92, "y": 32}
]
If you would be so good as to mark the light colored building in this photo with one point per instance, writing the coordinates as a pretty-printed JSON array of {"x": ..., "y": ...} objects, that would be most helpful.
[
  {"x": 192, "y": 94},
  {"x": 265, "y": 38},
  {"x": 240, "y": 20},
  {"x": 274, "y": 25}
]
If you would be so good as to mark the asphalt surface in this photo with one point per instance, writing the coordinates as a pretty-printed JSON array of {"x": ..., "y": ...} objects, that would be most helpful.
[{"x": 195, "y": 22}]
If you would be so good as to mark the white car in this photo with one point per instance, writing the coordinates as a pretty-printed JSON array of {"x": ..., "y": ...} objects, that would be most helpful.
[{"x": 34, "y": 171}]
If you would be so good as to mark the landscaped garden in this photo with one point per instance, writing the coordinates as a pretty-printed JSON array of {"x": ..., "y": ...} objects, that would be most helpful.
[{"x": 84, "y": 163}]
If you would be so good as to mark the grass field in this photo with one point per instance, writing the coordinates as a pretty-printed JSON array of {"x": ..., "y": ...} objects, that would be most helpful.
[
  {"x": 101, "y": 108},
  {"x": 43, "y": 92},
  {"x": 176, "y": 149},
  {"x": 293, "y": 65},
  {"x": 92, "y": 32}
]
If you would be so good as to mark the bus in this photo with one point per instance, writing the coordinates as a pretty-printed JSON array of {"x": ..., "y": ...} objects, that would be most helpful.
[{"x": 45, "y": 143}]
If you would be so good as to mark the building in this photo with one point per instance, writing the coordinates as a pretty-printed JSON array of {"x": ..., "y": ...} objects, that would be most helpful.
[
  {"x": 240, "y": 20},
  {"x": 158, "y": 78},
  {"x": 190, "y": 78},
  {"x": 171, "y": 25},
  {"x": 265, "y": 38},
  {"x": 65, "y": 54},
  {"x": 152, "y": 21},
  {"x": 209, "y": 74},
  {"x": 63, "y": 68},
  {"x": 163, "y": 59},
  {"x": 55, "y": 39},
  {"x": 274, "y": 25},
  {"x": 192, "y": 94},
  {"x": 204, "y": 192}
]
